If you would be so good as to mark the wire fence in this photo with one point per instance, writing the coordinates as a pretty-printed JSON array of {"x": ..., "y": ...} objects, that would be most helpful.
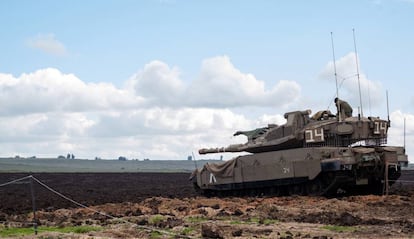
[
  {"x": 148, "y": 228},
  {"x": 15, "y": 181}
]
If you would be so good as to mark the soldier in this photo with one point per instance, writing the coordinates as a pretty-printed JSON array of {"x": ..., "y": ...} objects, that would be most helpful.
[
  {"x": 322, "y": 115},
  {"x": 343, "y": 108}
]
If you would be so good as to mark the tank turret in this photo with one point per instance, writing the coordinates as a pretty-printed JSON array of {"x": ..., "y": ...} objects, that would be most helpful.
[{"x": 301, "y": 130}]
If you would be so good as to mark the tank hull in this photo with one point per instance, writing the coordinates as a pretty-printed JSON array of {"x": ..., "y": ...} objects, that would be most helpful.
[{"x": 314, "y": 171}]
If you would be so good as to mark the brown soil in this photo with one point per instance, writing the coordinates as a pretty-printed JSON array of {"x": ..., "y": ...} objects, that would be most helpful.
[
  {"x": 167, "y": 202},
  {"x": 90, "y": 189}
]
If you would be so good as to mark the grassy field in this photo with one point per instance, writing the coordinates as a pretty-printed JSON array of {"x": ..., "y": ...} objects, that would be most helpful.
[
  {"x": 53, "y": 165},
  {"x": 38, "y": 165}
]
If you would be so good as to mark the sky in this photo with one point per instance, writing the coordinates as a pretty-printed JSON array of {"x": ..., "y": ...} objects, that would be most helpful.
[{"x": 159, "y": 79}]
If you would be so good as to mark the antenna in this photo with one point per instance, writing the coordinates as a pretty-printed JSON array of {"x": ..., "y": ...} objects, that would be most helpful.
[
  {"x": 336, "y": 75},
  {"x": 388, "y": 110},
  {"x": 195, "y": 163},
  {"x": 357, "y": 67}
]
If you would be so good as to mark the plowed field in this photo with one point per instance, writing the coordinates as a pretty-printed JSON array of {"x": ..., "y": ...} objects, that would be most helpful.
[{"x": 167, "y": 202}]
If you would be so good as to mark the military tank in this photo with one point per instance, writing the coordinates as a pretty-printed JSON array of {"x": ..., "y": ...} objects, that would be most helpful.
[{"x": 319, "y": 155}]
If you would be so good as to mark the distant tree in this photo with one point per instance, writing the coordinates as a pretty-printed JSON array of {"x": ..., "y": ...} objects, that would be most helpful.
[
  {"x": 122, "y": 158},
  {"x": 189, "y": 158},
  {"x": 61, "y": 157}
]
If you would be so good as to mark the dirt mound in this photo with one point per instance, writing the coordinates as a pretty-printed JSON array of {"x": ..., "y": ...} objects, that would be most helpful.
[{"x": 145, "y": 205}]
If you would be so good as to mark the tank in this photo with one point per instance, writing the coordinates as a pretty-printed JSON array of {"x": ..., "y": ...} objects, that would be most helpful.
[{"x": 315, "y": 155}]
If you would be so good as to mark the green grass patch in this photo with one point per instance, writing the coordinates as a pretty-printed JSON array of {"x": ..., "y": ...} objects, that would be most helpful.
[
  {"x": 236, "y": 222},
  {"x": 155, "y": 219},
  {"x": 187, "y": 230},
  {"x": 334, "y": 228},
  {"x": 10, "y": 232},
  {"x": 254, "y": 220},
  {"x": 155, "y": 234},
  {"x": 7, "y": 232}
]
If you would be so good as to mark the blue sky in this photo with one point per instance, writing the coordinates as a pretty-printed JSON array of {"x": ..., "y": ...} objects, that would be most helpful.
[{"x": 152, "y": 53}]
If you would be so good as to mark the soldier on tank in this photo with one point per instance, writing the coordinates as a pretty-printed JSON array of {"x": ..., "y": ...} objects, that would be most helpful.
[
  {"x": 344, "y": 109},
  {"x": 322, "y": 115}
]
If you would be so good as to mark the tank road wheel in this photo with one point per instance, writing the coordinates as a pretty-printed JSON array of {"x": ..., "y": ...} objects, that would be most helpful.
[
  {"x": 275, "y": 191},
  {"x": 296, "y": 190},
  {"x": 376, "y": 187},
  {"x": 208, "y": 193},
  {"x": 197, "y": 188},
  {"x": 314, "y": 187},
  {"x": 237, "y": 193},
  {"x": 253, "y": 192}
]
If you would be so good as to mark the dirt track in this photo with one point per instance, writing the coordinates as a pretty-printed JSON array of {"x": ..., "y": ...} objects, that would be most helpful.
[{"x": 140, "y": 197}]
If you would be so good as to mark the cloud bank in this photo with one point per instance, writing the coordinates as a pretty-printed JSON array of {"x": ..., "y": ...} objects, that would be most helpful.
[
  {"x": 49, "y": 90},
  {"x": 220, "y": 84},
  {"x": 155, "y": 115}
]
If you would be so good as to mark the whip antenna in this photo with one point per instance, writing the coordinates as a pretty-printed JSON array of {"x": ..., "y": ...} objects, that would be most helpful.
[
  {"x": 195, "y": 163},
  {"x": 357, "y": 67},
  {"x": 336, "y": 75},
  {"x": 334, "y": 64},
  {"x": 388, "y": 110}
]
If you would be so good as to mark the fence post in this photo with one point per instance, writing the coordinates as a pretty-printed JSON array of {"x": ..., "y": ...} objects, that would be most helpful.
[{"x": 33, "y": 205}]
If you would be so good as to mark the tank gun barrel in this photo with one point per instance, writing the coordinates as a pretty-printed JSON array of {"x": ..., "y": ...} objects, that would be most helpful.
[{"x": 231, "y": 148}]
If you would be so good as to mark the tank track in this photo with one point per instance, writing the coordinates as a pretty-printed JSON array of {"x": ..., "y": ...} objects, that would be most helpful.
[{"x": 329, "y": 185}]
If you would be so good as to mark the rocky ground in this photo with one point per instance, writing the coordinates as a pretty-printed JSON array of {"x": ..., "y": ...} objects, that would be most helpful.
[{"x": 180, "y": 213}]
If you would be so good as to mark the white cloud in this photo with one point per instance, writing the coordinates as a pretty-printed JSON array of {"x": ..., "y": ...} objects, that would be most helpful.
[
  {"x": 48, "y": 113},
  {"x": 158, "y": 84},
  {"x": 397, "y": 126},
  {"x": 47, "y": 43},
  {"x": 49, "y": 90},
  {"x": 220, "y": 84},
  {"x": 160, "y": 133},
  {"x": 43, "y": 133},
  {"x": 396, "y": 132},
  {"x": 371, "y": 91},
  {"x": 270, "y": 119}
]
